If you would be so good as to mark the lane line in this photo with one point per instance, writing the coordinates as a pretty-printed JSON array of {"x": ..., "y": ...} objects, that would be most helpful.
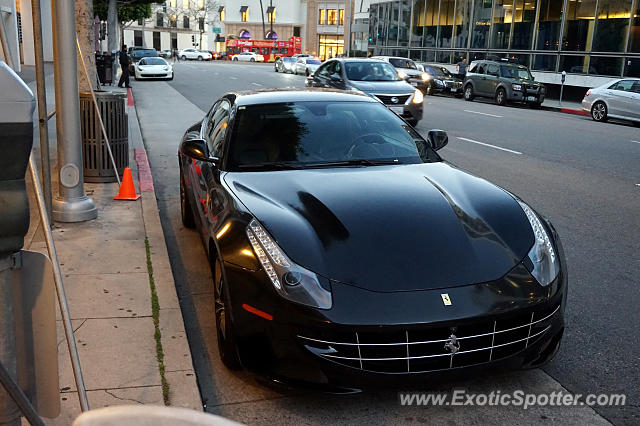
[
  {"x": 635, "y": 141},
  {"x": 483, "y": 113},
  {"x": 256, "y": 84},
  {"x": 491, "y": 146},
  {"x": 233, "y": 78}
]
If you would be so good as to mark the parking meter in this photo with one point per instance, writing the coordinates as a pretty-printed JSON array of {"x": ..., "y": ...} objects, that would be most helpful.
[
  {"x": 562, "y": 79},
  {"x": 17, "y": 105},
  {"x": 564, "y": 76}
]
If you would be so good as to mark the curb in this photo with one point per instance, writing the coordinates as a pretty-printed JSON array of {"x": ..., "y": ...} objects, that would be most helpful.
[
  {"x": 178, "y": 365},
  {"x": 566, "y": 110}
]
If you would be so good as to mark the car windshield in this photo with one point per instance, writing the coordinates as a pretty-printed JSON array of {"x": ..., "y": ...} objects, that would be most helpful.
[
  {"x": 323, "y": 134},
  {"x": 442, "y": 72},
  {"x": 288, "y": 59},
  {"x": 370, "y": 71},
  {"x": 143, "y": 53},
  {"x": 154, "y": 61},
  {"x": 403, "y": 63},
  {"x": 513, "y": 71},
  {"x": 313, "y": 61}
]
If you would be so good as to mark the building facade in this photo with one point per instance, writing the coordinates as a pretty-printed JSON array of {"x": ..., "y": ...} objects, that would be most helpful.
[{"x": 591, "y": 40}]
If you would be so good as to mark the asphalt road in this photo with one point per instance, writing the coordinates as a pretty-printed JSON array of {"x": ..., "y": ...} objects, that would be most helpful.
[{"x": 584, "y": 176}]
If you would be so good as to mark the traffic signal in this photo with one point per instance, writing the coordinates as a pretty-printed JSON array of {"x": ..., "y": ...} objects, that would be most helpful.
[
  {"x": 103, "y": 30},
  {"x": 193, "y": 38}
]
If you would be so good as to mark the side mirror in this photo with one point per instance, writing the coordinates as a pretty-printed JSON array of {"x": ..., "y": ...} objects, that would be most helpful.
[
  {"x": 437, "y": 139},
  {"x": 336, "y": 77},
  {"x": 197, "y": 149}
]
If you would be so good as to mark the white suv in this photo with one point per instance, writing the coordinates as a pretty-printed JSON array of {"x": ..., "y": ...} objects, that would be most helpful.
[
  {"x": 194, "y": 54},
  {"x": 249, "y": 57}
]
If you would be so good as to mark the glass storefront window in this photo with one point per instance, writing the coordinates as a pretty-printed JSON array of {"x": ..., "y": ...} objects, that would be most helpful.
[
  {"x": 332, "y": 17},
  {"x": 405, "y": 23},
  {"x": 502, "y": 18},
  {"x": 544, "y": 62},
  {"x": 444, "y": 57},
  {"x": 321, "y": 17},
  {"x": 524, "y": 16},
  {"x": 330, "y": 46},
  {"x": 578, "y": 30},
  {"x": 634, "y": 36},
  {"x": 394, "y": 12},
  {"x": 431, "y": 24},
  {"x": 476, "y": 56},
  {"x": 549, "y": 21},
  {"x": 481, "y": 23},
  {"x": 612, "y": 26},
  {"x": 418, "y": 24},
  {"x": 574, "y": 64},
  {"x": 632, "y": 67},
  {"x": 463, "y": 17},
  {"x": 605, "y": 66},
  {"x": 445, "y": 26}
]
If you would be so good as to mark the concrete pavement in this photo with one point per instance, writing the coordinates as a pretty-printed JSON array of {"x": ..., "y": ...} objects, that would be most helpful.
[{"x": 120, "y": 289}]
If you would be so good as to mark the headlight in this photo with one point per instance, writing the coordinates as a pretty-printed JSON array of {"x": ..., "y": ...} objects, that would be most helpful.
[
  {"x": 291, "y": 281},
  {"x": 402, "y": 74},
  {"x": 425, "y": 76},
  {"x": 417, "y": 97},
  {"x": 516, "y": 87},
  {"x": 166, "y": 68},
  {"x": 543, "y": 255},
  {"x": 438, "y": 82}
]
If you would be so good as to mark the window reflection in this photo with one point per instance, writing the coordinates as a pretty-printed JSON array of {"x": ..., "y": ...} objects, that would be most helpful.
[
  {"x": 418, "y": 24},
  {"x": 446, "y": 23},
  {"x": 579, "y": 27},
  {"x": 544, "y": 62},
  {"x": 431, "y": 24},
  {"x": 612, "y": 26},
  {"x": 502, "y": 18},
  {"x": 634, "y": 36},
  {"x": 605, "y": 66},
  {"x": 523, "y": 18},
  {"x": 549, "y": 25},
  {"x": 405, "y": 22},
  {"x": 481, "y": 24},
  {"x": 463, "y": 17}
]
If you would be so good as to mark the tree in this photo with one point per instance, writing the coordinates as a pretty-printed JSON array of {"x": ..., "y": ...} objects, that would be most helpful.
[{"x": 201, "y": 13}]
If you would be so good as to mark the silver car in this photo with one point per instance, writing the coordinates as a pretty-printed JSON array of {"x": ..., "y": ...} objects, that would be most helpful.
[
  {"x": 616, "y": 99},
  {"x": 306, "y": 66}
]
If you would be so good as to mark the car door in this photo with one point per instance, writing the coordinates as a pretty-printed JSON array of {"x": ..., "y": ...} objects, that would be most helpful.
[
  {"x": 635, "y": 100},
  {"x": 479, "y": 78},
  {"x": 621, "y": 99},
  {"x": 337, "y": 78},
  {"x": 492, "y": 74},
  {"x": 321, "y": 77}
]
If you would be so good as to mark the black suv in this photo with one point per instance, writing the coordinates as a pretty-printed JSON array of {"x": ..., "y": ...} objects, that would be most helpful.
[{"x": 504, "y": 82}]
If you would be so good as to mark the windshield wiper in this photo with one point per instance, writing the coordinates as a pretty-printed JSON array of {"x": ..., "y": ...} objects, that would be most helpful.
[
  {"x": 360, "y": 162},
  {"x": 278, "y": 165}
]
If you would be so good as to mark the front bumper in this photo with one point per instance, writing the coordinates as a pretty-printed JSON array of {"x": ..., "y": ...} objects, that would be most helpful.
[
  {"x": 529, "y": 95},
  {"x": 418, "y": 83},
  {"x": 143, "y": 75},
  {"x": 373, "y": 339}
]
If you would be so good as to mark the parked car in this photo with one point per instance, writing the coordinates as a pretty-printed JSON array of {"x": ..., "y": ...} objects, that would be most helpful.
[
  {"x": 306, "y": 65},
  {"x": 504, "y": 82},
  {"x": 284, "y": 64},
  {"x": 409, "y": 71},
  {"x": 248, "y": 57},
  {"x": 441, "y": 80},
  {"x": 616, "y": 99},
  {"x": 138, "y": 53},
  {"x": 191, "y": 53},
  {"x": 153, "y": 68},
  {"x": 166, "y": 53},
  {"x": 374, "y": 77},
  {"x": 345, "y": 252},
  {"x": 215, "y": 55}
]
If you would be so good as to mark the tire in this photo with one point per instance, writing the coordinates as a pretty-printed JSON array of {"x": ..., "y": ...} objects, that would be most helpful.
[
  {"x": 501, "y": 97},
  {"x": 599, "y": 112},
  {"x": 171, "y": 78},
  {"x": 275, "y": 69},
  {"x": 252, "y": 60},
  {"x": 186, "y": 212},
  {"x": 227, "y": 347},
  {"x": 235, "y": 59},
  {"x": 468, "y": 93},
  {"x": 307, "y": 73},
  {"x": 200, "y": 58},
  {"x": 184, "y": 58}
]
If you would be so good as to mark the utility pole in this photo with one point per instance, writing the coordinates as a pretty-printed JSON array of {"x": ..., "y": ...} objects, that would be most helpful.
[
  {"x": 72, "y": 204},
  {"x": 349, "y": 17}
]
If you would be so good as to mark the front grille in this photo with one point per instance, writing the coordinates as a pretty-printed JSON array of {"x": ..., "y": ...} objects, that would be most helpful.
[
  {"x": 450, "y": 84},
  {"x": 531, "y": 89},
  {"x": 415, "y": 350},
  {"x": 386, "y": 99},
  {"x": 155, "y": 75}
]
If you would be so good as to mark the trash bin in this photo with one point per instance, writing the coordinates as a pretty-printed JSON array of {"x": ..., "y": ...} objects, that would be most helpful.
[
  {"x": 104, "y": 67},
  {"x": 95, "y": 157}
]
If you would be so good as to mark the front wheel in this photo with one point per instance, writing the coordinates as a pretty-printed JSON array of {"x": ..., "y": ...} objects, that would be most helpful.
[
  {"x": 501, "y": 97},
  {"x": 226, "y": 341},
  {"x": 252, "y": 60},
  {"x": 184, "y": 58},
  {"x": 468, "y": 93},
  {"x": 186, "y": 212},
  {"x": 235, "y": 59},
  {"x": 199, "y": 58},
  {"x": 599, "y": 111}
]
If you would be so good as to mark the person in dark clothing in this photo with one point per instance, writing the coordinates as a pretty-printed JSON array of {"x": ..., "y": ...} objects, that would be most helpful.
[{"x": 124, "y": 64}]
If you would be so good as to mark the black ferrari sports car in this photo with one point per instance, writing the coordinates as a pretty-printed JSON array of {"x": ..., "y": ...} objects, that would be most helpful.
[{"x": 346, "y": 253}]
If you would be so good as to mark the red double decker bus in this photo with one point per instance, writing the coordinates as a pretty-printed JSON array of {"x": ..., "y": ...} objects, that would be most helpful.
[{"x": 270, "y": 49}]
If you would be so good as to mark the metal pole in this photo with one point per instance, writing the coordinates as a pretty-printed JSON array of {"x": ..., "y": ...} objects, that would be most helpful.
[
  {"x": 19, "y": 397},
  {"x": 72, "y": 204},
  {"x": 3, "y": 40},
  {"x": 349, "y": 27},
  {"x": 42, "y": 104},
  {"x": 9, "y": 413},
  {"x": 62, "y": 296},
  {"x": 95, "y": 103}
]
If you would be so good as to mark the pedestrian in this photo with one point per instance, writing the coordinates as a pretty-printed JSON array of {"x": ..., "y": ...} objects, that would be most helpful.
[
  {"x": 461, "y": 67},
  {"x": 176, "y": 58},
  {"x": 124, "y": 65}
]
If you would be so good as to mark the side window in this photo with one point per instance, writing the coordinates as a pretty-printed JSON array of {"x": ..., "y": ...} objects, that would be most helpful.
[
  {"x": 337, "y": 69},
  {"x": 624, "y": 85},
  {"x": 325, "y": 70},
  {"x": 493, "y": 69},
  {"x": 218, "y": 130},
  {"x": 480, "y": 69}
]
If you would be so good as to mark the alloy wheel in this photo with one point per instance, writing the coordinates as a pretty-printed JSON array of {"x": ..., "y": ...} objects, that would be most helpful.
[
  {"x": 599, "y": 111},
  {"x": 468, "y": 93}
]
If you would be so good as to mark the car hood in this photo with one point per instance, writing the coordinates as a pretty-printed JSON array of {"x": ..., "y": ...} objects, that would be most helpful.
[
  {"x": 411, "y": 72},
  {"x": 387, "y": 87},
  {"x": 390, "y": 228}
]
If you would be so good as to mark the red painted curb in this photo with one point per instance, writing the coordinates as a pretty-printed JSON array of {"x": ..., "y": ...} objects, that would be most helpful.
[
  {"x": 129, "y": 97},
  {"x": 144, "y": 171},
  {"x": 574, "y": 111}
]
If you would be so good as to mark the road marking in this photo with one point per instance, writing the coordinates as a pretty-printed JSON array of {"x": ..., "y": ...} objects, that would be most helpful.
[
  {"x": 256, "y": 84},
  {"x": 491, "y": 146},
  {"x": 483, "y": 113},
  {"x": 233, "y": 78},
  {"x": 635, "y": 141}
]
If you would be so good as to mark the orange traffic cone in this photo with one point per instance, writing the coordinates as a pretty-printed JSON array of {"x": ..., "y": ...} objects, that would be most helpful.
[{"x": 127, "y": 190}]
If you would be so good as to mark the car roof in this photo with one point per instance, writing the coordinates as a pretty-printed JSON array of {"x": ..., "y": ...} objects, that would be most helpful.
[
  {"x": 268, "y": 96},
  {"x": 373, "y": 59}
]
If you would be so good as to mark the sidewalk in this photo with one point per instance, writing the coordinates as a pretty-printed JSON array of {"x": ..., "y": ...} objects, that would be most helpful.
[
  {"x": 567, "y": 107},
  {"x": 126, "y": 316}
]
